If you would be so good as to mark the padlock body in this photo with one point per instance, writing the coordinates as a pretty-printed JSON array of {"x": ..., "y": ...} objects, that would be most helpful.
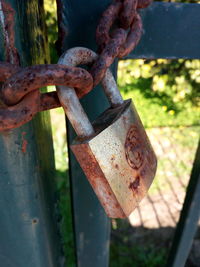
[{"x": 118, "y": 160}]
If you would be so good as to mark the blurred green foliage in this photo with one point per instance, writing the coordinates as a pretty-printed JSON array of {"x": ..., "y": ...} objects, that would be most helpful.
[
  {"x": 127, "y": 255},
  {"x": 165, "y": 92},
  {"x": 52, "y": 28}
]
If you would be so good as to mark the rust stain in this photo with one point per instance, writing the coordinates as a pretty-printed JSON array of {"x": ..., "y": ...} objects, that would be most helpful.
[
  {"x": 128, "y": 13},
  {"x": 108, "y": 55},
  {"x": 35, "y": 221},
  {"x": 24, "y": 142},
  {"x": 134, "y": 185},
  {"x": 7, "y": 19},
  {"x": 113, "y": 157},
  {"x": 97, "y": 180},
  {"x": 117, "y": 41},
  {"x": 133, "y": 37},
  {"x": 125, "y": 120},
  {"x": 17, "y": 115},
  {"x": 144, "y": 3},
  {"x": 31, "y": 78},
  {"x": 117, "y": 166},
  {"x": 134, "y": 148},
  {"x": 7, "y": 70}
]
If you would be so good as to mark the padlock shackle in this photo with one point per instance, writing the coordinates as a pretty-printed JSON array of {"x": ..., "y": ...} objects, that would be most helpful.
[
  {"x": 81, "y": 55},
  {"x": 68, "y": 98}
]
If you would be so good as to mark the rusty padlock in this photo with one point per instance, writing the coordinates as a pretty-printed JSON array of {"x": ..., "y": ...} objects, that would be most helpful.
[{"x": 114, "y": 151}]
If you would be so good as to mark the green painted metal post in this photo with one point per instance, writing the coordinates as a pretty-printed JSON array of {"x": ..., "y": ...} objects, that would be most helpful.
[
  {"x": 29, "y": 236},
  {"x": 77, "y": 23}
]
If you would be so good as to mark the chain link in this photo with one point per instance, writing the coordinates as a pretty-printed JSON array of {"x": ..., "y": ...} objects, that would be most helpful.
[
  {"x": 20, "y": 98},
  {"x": 118, "y": 32}
]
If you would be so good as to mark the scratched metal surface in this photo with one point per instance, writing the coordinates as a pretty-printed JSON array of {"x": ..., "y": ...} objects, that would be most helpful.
[{"x": 27, "y": 217}]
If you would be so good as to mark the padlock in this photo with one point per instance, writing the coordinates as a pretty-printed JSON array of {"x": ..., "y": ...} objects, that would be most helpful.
[{"x": 114, "y": 151}]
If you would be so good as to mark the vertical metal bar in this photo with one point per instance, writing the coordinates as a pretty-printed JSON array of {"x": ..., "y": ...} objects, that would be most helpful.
[
  {"x": 188, "y": 222},
  {"x": 29, "y": 236},
  {"x": 77, "y": 23}
]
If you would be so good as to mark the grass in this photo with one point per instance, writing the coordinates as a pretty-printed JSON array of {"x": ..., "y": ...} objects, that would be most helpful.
[
  {"x": 66, "y": 225},
  {"x": 125, "y": 255},
  {"x": 63, "y": 185},
  {"x": 154, "y": 108}
]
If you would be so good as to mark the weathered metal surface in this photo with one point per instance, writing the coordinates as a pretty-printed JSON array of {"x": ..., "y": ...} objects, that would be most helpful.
[
  {"x": 110, "y": 88},
  {"x": 7, "y": 70},
  {"x": 123, "y": 157},
  {"x": 108, "y": 55},
  {"x": 144, "y": 3},
  {"x": 15, "y": 116},
  {"x": 31, "y": 78},
  {"x": 188, "y": 223},
  {"x": 171, "y": 30},
  {"x": 122, "y": 40},
  {"x": 20, "y": 82},
  {"x": 29, "y": 235},
  {"x": 74, "y": 111},
  {"x": 96, "y": 177},
  {"x": 7, "y": 19},
  {"x": 23, "y": 112},
  {"x": 133, "y": 37},
  {"x": 107, "y": 19},
  {"x": 128, "y": 13},
  {"x": 69, "y": 99},
  {"x": 48, "y": 101}
]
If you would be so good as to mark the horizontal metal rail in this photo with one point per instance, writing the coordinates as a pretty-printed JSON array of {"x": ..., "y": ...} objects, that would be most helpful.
[{"x": 170, "y": 31}]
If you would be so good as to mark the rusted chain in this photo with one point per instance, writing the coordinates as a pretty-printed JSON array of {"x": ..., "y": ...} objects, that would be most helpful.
[
  {"x": 123, "y": 15},
  {"x": 20, "y": 92},
  {"x": 128, "y": 13},
  {"x": 107, "y": 19},
  {"x": 7, "y": 70},
  {"x": 15, "y": 116},
  {"x": 108, "y": 55},
  {"x": 31, "y": 78},
  {"x": 133, "y": 37},
  {"x": 144, "y": 3}
]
